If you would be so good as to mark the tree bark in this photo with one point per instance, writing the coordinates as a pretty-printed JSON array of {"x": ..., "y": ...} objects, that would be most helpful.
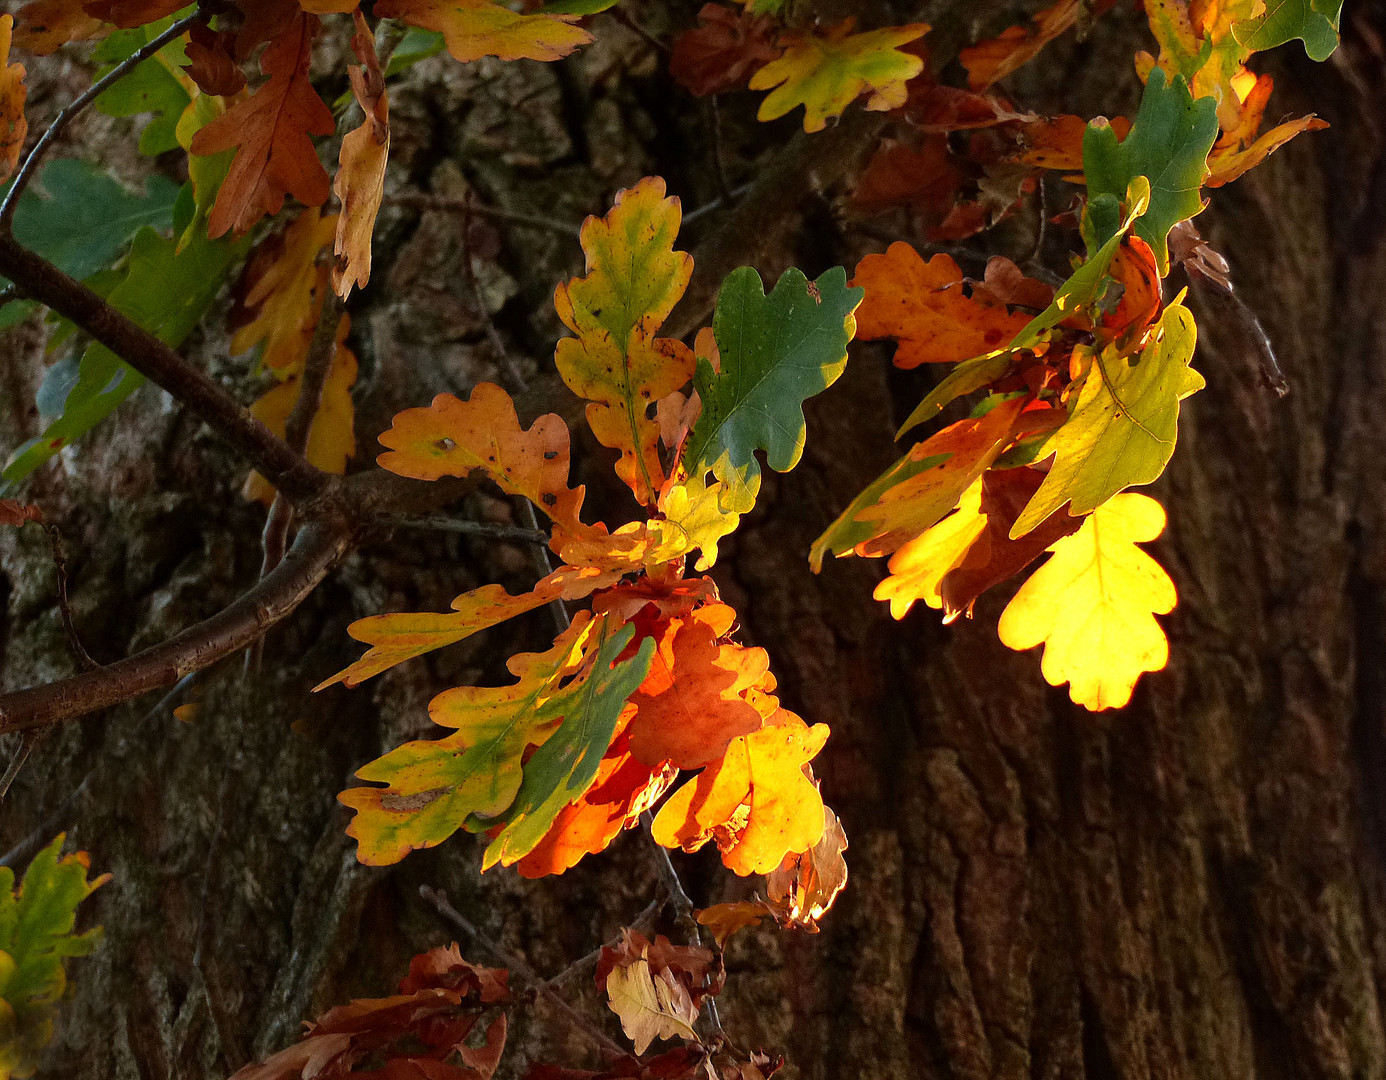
[{"x": 1193, "y": 887}]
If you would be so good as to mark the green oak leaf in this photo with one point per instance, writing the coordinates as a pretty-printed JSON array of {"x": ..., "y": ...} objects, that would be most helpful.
[
  {"x": 416, "y": 45},
  {"x": 1121, "y": 429},
  {"x": 36, "y": 925},
  {"x": 166, "y": 292},
  {"x": 576, "y": 7},
  {"x": 1314, "y": 22},
  {"x": 847, "y": 531},
  {"x": 565, "y": 766},
  {"x": 152, "y": 87},
  {"x": 80, "y": 219},
  {"x": 777, "y": 351},
  {"x": 1168, "y": 144}
]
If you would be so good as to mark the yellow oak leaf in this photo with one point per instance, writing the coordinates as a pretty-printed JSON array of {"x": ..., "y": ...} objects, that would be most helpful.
[
  {"x": 635, "y": 277},
  {"x": 452, "y": 437},
  {"x": 758, "y": 802},
  {"x": 360, "y": 182},
  {"x": 332, "y": 438},
  {"x": 919, "y": 566},
  {"x": 477, "y": 28},
  {"x": 400, "y": 636},
  {"x": 807, "y": 883},
  {"x": 285, "y": 285},
  {"x": 826, "y": 74},
  {"x": 13, "y": 126},
  {"x": 1093, "y": 605},
  {"x": 651, "y": 1005}
]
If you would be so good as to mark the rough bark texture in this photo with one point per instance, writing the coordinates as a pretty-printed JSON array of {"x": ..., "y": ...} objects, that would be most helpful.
[{"x": 1194, "y": 887}]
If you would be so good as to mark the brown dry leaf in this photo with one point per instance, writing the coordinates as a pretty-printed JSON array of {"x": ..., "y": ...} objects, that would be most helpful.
[
  {"x": 360, "y": 183},
  {"x": 45, "y": 25},
  {"x": 720, "y": 53}
]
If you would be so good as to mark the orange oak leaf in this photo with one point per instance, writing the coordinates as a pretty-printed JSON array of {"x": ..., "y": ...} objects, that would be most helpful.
[
  {"x": 720, "y": 52},
  {"x": 360, "y": 183},
  {"x": 14, "y": 512},
  {"x": 332, "y": 437},
  {"x": 13, "y": 126},
  {"x": 692, "y": 703},
  {"x": 634, "y": 279},
  {"x": 667, "y": 600},
  {"x": 624, "y": 789},
  {"x": 413, "y": 1034},
  {"x": 1005, "y": 283},
  {"x": 1225, "y": 166},
  {"x": 803, "y": 887},
  {"x": 827, "y": 73},
  {"x": 995, "y": 557},
  {"x": 989, "y": 62},
  {"x": 44, "y": 25},
  {"x": 724, "y": 920},
  {"x": 924, "y": 307},
  {"x": 452, "y": 437},
  {"x": 1134, "y": 268},
  {"x": 477, "y": 28},
  {"x": 261, "y": 21},
  {"x": 270, "y": 131},
  {"x": 210, "y": 62},
  {"x": 758, "y": 803},
  {"x": 926, "y": 178},
  {"x": 281, "y": 292}
]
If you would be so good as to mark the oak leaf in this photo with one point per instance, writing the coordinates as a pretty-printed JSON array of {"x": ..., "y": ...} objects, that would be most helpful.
[
  {"x": 451, "y": 437},
  {"x": 568, "y": 699},
  {"x": 13, "y": 126},
  {"x": 776, "y": 351},
  {"x": 477, "y": 28},
  {"x": 923, "y": 306},
  {"x": 332, "y": 436},
  {"x": 1092, "y": 605},
  {"x": 43, "y": 26},
  {"x": 803, "y": 887},
  {"x": 270, "y": 130},
  {"x": 1226, "y": 166},
  {"x": 415, "y": 1033},
  {"x": 724, "y": 920},
  {"x": 634, "y": 279},
  {"x": 758, "y": 803},
  {"x": 692, "y": 703},
  {"x": 360, "y": 182},
  {"x": 1122, "y": 425},
  {"x": 14, "y": 512},
  {"x": 989, "y": 62},
  {"x": 720, "y": 52},
  {"x": 826, "y": 74},
  {"x": 651, "y": 1005},
  {"x": 918, "y": 567}
]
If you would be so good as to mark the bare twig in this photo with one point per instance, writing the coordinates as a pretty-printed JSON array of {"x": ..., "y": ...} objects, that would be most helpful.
[
  {"x": 31, "y": 162},
  {"x": 639, "y": 31},
  {"x": 161, "y": 365},
  {"x": 487, "y": 529},
  {"x": 55, "y": 542},
  {"x": 1272, "y": 375},
  {"x": 713, "y": 112},
  {"x": 440, "y": 904},
  {"x": 589, "y": 962},
  {"x": 319, "y": 547},
  {"x": 462, "y": 206},
  {"x": 26, "y": 747}
]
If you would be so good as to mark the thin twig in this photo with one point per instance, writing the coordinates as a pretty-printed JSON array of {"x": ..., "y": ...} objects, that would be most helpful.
[
  {"x": 639, "y": 31},
  {"x": 31, "y": 162},
  {"x": 1272, "y": 375},
  {"x": 55, "y": 541},
  {"x": 475, "y": 528},
  {"x": 713, "y": 112},
  {"x": 440, "y": 904},
  {"x": 448, "y": 205},
  {"x": 589, "y": 962},
  {"x": 27, "y": 742}
]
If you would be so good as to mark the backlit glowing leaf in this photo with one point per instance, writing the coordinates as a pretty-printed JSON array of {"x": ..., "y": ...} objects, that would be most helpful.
[
  {"x": 1224, "y": 167},
  {"x": 270, "y": 129},
  {"x": 694, "y": 518},
  {"x": 918, "y": 567},
  {"x": 1123, "y": 423},
  {"x": 826, "y": 74},
  {"x": 804, "y": 886},
  {"x": 757, "y": 803},
  {"x": 360, "y": 182},
  {"x": 923, "y": 306},
  {"x": 1093, "y": 605},
  {"x": 572, "y": 694},
  {"x": 477, "y": 28},
  {"x": 452, "y": 438},
  {"x": 692, "y": 703},
  {"x": 776, "y": 352},
  {"x": 13, "y": 126},
  {"x": 1168, "y": 144},
  {"x": 635, "y": 277}
]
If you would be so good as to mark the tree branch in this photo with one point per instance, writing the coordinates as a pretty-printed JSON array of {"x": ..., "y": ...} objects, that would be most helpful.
[
  {"x": 161, "y": 365},
  {"x": 319, "y": 547}
]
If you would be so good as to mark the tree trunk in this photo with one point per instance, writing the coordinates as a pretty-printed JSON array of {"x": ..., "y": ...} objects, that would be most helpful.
[{"x": 1193, "y": 887}]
